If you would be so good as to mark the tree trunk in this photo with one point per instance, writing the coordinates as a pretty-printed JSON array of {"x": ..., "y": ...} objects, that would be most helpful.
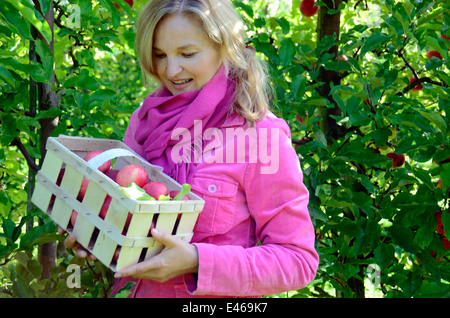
[
  {"x": 327, "y": 25},
  {"x": 47, "y": 100}
]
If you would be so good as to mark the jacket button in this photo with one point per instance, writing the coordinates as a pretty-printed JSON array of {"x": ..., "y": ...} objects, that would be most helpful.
[{"x": 212, "y": 188}]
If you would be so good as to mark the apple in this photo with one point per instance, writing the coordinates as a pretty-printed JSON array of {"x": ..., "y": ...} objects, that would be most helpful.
[
  {"x": 308, "y": 8},
  {"x": 417, "y": 87},
  {"x": 116, "y": 254},
  {"x": 73, "y": 217},
  {"x": 105, "y": 207},
  {"x": 83, "y": 188},
  {"x": 174, "y": 193},
  {"x": 398, "y": 160},
  {"x": 155, "y": 189},
  {"x": 430, "y": 54},
  {"x": 439, "y": 225},
  {"x": 300, "y": 119},
  {"x": 130, "y": 2},
  {"x": 446, "y": 242},
  {"x": 104, "y": 167},
  {"x": 443, "y": 36},
  {"x": 132, "y": 174},
  {"x": 112, "y": 174}
]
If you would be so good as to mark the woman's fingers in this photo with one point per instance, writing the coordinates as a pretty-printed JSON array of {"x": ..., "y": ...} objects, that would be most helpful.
[{"x": 71, "y": 243}]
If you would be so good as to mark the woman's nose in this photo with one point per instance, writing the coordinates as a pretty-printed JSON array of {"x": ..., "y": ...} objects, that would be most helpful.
[{"x": 173, "y": 68}]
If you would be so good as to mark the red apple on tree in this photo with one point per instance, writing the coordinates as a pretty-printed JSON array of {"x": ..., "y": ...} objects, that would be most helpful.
[
  {"x": 132, "y": 174},
  {"x": 398, "y": 160},
  {"x": 439, "y": 225},
  {"x": 434, "y": 53},
  {"x": 308, "y": 8},
  {"x": 417, "y": 87},
  {"x": 130, "y": 2}
]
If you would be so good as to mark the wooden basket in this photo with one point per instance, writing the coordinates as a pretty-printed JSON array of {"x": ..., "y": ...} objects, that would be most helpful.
[{"x": 104, "y": 237}]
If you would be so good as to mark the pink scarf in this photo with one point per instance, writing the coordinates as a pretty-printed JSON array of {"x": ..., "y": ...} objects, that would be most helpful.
[{"x": 162, "y": 112}]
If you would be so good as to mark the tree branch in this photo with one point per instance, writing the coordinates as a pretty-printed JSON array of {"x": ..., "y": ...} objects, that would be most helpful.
[{"x": 30, "y": 160}]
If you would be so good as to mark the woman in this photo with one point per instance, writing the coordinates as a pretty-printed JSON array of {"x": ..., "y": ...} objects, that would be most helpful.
[{"x": 209, "y": 125}]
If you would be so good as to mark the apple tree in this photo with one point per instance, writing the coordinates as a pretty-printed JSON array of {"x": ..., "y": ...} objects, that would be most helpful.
[
  {"x": 66, "y": 67},
  {"x": 364, "y": 86}
]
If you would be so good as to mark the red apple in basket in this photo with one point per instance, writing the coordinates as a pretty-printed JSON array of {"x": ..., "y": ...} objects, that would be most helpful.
[
  {"x": 116, "y": 254},
  {"x": 104, "y": 167},
  {"x": 112, "y": 174},
  {"x": 105, "y": 207},
  {"x": 73, "y": 217},
  {"x": 155, "y": 189},
  {"x": 130, "y": 174},
  {"x": 83, "y": 188}
]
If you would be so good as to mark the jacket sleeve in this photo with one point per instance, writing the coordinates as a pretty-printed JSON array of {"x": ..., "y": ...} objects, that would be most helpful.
[{"x": 286, "y": 258}]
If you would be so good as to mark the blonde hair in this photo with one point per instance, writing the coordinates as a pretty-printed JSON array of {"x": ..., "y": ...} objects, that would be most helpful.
[{"x": 225, "y": 28}]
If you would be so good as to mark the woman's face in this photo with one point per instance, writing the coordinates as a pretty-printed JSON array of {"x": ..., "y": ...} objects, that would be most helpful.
[{"x": 184, "y": 56}]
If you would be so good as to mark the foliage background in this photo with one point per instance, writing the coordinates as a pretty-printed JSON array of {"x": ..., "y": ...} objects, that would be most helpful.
[{"x": 346, "y": 114}]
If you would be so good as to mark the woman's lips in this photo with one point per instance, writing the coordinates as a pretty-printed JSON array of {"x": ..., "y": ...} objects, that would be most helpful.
[{"x": 181, "y": 84}]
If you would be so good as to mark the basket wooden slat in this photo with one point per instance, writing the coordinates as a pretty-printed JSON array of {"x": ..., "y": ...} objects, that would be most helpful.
[{"x": 64, "y": 160}]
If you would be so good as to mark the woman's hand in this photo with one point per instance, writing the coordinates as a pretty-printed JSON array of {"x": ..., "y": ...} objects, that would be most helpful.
[
  {"x": 71, "y": 243},
  {"x": 177, "y": 258}
]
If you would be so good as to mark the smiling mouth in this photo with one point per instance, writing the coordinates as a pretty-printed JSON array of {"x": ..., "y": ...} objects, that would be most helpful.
[{"x": 181, "y": 82}]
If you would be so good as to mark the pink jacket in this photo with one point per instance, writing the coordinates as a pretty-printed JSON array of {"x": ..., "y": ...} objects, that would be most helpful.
[{"x": 254, "y": 236}]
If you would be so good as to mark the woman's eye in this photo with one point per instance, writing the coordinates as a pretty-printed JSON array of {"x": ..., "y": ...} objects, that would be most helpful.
[
  {"x": 188, "y": 55},
  {"x": 160, "y": 55}
]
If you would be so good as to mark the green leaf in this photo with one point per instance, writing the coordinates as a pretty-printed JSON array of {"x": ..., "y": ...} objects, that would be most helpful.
[
  {"x": 125, "y": 291},
  {"x": 287, "y": 51},
  {"x": 404, "y": 237},
  {"x": 46, "y": 57},
  {"x": 8, "y": 129},
  {"x": 373, "y": 41},
  {"x": 33, "y": 69},
  {"x": 83, "y": 81},
  {"x": 15, "y": 20},
  {"x": 6, "y": 75},
  {"x": 246, "y": 8},
  {"x": 185, "y": 189},
  {"x": 115, "y": 17},
  {"x": 137, "y": 193},
  {"x": 284, "y": 24},
  {"x": 445, "y": 176},
  {"x": 29, "y": 15},
  {"x": 435, "y": 118},
  {"x": 337, "y": 66}
]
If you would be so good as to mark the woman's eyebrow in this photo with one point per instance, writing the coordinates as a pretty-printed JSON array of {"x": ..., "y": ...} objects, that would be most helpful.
[{"x": 183, "y": 47}]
